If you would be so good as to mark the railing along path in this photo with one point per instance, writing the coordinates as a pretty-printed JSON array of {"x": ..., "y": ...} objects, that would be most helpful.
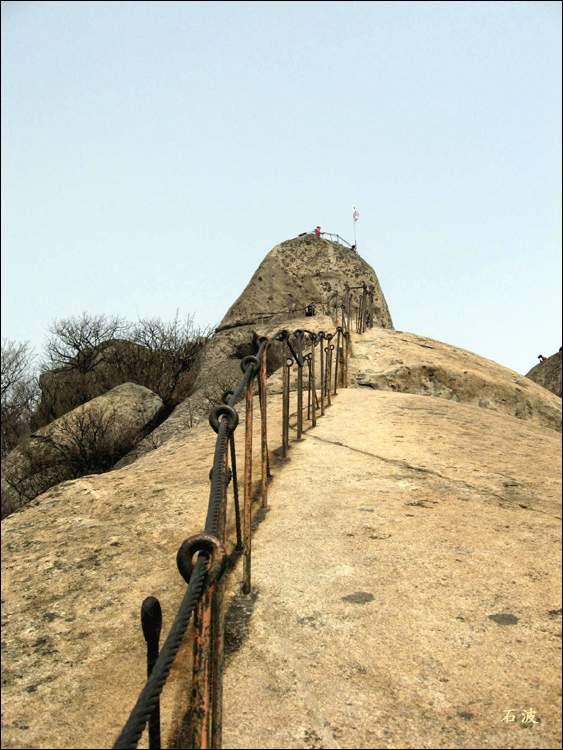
[{"x": 202, "y": 559}]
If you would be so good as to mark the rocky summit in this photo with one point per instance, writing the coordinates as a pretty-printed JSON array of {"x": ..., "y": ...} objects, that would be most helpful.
[
  {"x": 294, "y": 274},
  {"x": 406, "y": 576},
  {"x": 548, "y": 373}
]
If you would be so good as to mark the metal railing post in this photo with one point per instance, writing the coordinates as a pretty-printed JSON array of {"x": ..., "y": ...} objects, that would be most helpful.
[
  {"x": 300, "y": 363},
  {"x": 285, "y": 405},
  {"x": 247, "y": 525},
  {"x": 313, "y": 382},
  {"x": 337, "y": 356},
  {"x": 322, "y": 368},
  {"x": 328, "y": 376},
  {"x": 151, "y": 622},
  {"x": 264, "y": 426},
  {"x": 200, "y": 703}
]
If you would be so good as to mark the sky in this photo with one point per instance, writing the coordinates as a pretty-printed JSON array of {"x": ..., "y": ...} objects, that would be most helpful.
[{"x": 154, "y": 152}]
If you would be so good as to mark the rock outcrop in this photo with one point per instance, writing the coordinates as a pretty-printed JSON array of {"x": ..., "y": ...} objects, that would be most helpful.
[
  {"x": 548, "y": 373},
  {"x": 65, "y": 388},
  {"x": 300, "y": 271},
  {"x": 411, "y": 550},
  {"x": 88, "y": 439},
  {"x": 406, "y": 363},
  {"x": 114, "y": 363},
  {"x": 408, "y": 594},
  {"x": 432, "y": 512},
  {"x": 295, "y": 273}
]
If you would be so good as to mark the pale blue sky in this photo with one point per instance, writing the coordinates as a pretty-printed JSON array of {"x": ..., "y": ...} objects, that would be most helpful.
[{"x": 152, "y": 153}]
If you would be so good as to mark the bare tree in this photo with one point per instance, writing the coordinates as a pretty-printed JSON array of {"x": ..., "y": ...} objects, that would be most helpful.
[
  {"x": 167, "y": 355},
  {"x": 18, "y": 393},
  {"x": 78, "y": 342},
  {"x": 91, "y": 440},
  {"x": 89, "y": 355},
  {"x": 87, "y": 441}
]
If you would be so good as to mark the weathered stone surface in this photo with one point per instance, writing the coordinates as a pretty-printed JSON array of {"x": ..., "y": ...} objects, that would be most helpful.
[
  {"x": 77, "y": 563},
  {"x": 406, "y": 363},
  {"x": 548, "y": 373},
  {"x": 220, "y": 370},
  {"x": 303, "y": 270},
  {"x": 411, "y": 552},
  {"x": 293, "y": 274},
  {"x": 66, "y": 388},
  {"x": 407, "y": 585},
  {"x": 109, "y": 424}
]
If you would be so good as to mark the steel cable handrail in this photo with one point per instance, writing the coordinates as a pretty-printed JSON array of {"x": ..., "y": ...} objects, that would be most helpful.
[{"x": 204, "y": 578}]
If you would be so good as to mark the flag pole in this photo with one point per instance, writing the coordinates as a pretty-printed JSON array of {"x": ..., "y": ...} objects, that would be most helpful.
[{"x": 355, "y": 217}]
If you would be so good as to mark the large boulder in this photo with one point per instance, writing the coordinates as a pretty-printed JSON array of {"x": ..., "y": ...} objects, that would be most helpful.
[
  {"x": 65, "y": 388},
  {"x": 87, "y": 440},
  {"x": 116, "y": 362},
  {"x": 446, "y": 513},
  {"x": 548, "y": 373},
  {"x": 298, "y": 272},
  {"x": 407, "y": 363},
  {"x": 295, "y": 273}
]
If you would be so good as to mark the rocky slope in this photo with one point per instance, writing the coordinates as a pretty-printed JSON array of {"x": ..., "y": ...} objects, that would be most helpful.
[
  {"x": 300, "y": 271},
  {"x": 399, "y": 554},
  {"x": 293, "y": 274},
  {"x": 401, "y": 598},
  {"x": 405, "y": 363},
  {"x": 548, "y": 373},
  {"x": 97, "y": 433},
  {"x": 447, "y": 504}
]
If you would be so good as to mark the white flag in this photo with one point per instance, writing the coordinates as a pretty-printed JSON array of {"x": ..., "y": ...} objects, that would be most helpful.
[{"x": 355, "y": 213}]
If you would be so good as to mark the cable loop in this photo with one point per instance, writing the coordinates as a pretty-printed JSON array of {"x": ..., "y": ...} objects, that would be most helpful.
[
  {"x": 223, "y": 410},
  {"x": 250, "y": 360},
  {"x": 210, "y": 547}
]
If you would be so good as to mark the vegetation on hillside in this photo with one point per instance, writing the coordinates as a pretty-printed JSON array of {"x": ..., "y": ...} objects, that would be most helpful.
[{"x": 87, "y": 355}]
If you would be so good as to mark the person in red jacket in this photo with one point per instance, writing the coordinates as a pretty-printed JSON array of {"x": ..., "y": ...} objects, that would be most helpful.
[{"x": 318, "y": 231}]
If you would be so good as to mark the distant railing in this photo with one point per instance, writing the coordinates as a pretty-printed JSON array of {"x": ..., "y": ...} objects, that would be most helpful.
[
  {"x": 332, "y": 237},
  {"x": 203, "y": 559},
  {"x": 337, "y": 238}
]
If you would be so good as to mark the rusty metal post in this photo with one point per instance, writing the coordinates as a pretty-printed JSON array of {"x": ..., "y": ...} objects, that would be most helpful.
[
  {"x": 218, "y": 625},
  {"x": 284, "y": 389},
  {"x": 238, "y": 526},
  {"x": 201, "y": 688},
  {"x": 364, "y": 321},
  {"x": 313, "y": 383},
  {"x": 346, "y": 356},
  {"x": 328, "y": 377},
  {"x": 337, "y": 357},
  {"x": 300, "y": 365},
  {"x": 263, "y": 426},
  {"x": 322, "y": 367},
  {"x": 217, "y": 661},
  {"x": 299, "y": 400},
  {"x": 357, "y": 316},
  {"x": 285, "y": 406},
  {"x": 308, "y": 358},
  {"x": 206, "y": 701},
  {"x": 151, "y": 622},
  {"x": 247, "y": 528}
]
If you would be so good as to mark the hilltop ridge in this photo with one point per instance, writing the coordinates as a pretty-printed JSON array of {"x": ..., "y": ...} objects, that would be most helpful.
[
  {"x": 399, "y": 552},
  {"x": 299, "y": 271}
]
